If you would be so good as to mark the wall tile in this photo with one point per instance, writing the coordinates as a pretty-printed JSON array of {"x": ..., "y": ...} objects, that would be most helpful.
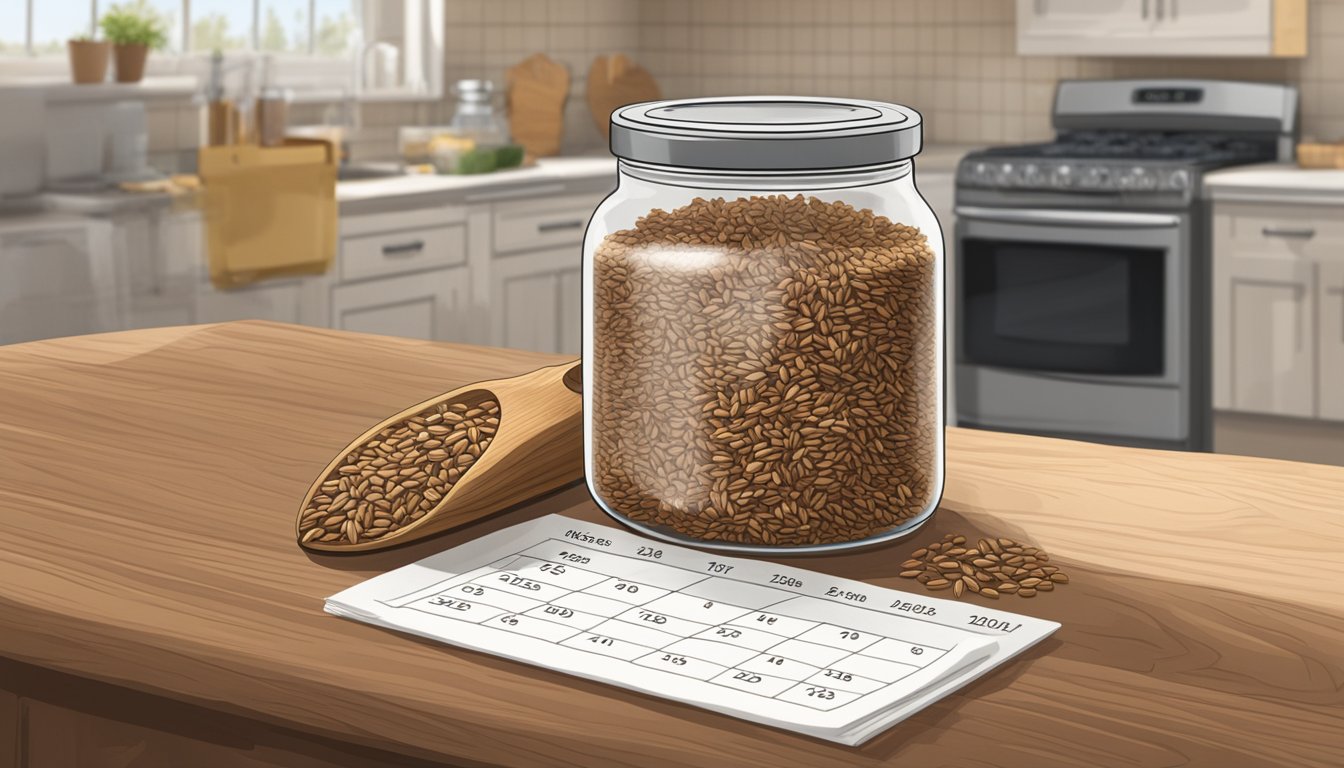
[{"x": 954, "y": 60}]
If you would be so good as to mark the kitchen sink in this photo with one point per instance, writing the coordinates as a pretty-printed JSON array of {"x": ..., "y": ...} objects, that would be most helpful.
[{"x": 369, "y": 171}]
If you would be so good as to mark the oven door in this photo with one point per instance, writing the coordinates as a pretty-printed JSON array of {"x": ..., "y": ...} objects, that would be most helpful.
[{"x": 1091, "y": 295}]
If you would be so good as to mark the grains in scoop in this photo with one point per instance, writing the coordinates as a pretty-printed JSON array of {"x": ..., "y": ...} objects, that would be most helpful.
[{"x": 402, "y": 473}]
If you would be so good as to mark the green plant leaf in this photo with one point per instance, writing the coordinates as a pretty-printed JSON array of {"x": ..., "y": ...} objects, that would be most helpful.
[{"x": 134, "y": 23}]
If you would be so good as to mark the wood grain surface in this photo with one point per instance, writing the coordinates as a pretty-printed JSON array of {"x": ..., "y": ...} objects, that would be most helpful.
[
  {"x": 537, "y": 87},
  {"x": 148, "y": 482},
  {"x": 613, "y": 82}
]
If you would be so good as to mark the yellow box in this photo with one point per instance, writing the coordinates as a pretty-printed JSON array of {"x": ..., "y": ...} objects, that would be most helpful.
[{"x": 269, "y": 211}]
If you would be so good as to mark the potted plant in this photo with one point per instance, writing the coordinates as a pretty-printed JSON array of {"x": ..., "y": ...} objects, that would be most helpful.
[
  {"x": 133, "y": 29},
  {"x": 88, "y": 60}
]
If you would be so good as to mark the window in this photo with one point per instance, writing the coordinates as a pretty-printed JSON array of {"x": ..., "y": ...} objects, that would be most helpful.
[
  {"x": 324, "y": 49},
  {"x": 302, "y": 27}
]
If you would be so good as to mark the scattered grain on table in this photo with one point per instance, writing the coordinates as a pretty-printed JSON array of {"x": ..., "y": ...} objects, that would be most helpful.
[{"x": 990, "y": 567}]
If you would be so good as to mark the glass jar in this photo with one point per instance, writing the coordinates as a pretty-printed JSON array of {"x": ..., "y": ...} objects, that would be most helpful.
[{"x": 763, "y": 326}]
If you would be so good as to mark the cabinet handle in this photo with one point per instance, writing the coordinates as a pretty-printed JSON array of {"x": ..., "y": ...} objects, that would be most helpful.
[
  {"x": 1306, "y": 233},
  {"x": 553, "y": 226},
  {"x": 404, "y": 249}
]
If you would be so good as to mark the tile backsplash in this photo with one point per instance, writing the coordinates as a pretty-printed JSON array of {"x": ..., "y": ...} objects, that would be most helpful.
[{"x": 953, "y": 60}]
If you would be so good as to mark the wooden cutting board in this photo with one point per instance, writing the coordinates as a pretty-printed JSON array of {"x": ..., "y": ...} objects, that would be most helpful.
[
  {"x": 537, "y": 88},
  {"x": 613, "y": 82}
]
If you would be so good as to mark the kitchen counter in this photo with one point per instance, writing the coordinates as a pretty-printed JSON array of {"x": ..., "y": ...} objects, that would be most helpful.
[
  {"x": 1277, "y": 182},
  {"x": 154, "y": 603},
  {"x": 549, "y": 176}
]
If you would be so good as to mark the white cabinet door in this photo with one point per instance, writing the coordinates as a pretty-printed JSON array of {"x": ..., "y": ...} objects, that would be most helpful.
[
  {"x": 1043, "y": 26},
  {"x": 1264, "y": 319},
  {"x": 57, "y": 278},
  {"x": 1162, "y": 27},
  {"x": 164, "y": 258},
  {"x": 279, "y": 300},
  {"x": 535, "y": 299},
  {"x": 421, "y": 306},
  {"x": 1330, "y": 340},
  {"x": 1196, "y": 19},
  {"x": 571, "y": 311}
]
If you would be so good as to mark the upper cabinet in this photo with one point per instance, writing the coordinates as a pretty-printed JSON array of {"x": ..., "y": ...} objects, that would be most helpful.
[{"x": 1162, "y": 27}]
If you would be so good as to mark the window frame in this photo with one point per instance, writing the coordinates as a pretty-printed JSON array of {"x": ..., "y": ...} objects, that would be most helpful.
[
  {"x": 184, "y": 28},
  {"x": 318, "y": 77}
]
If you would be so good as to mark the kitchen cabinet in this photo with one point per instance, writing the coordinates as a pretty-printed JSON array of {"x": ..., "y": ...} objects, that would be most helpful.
[
  {"x": 1042, "y": 20},
  {"x": 1278, "y": 310},
  {"x": 294, "y": 300},
  {"x": 1162, "y": 27},
  {"x": 58, "y": 277},
  {"x": 535, "y": 280},
  {"x": 488, "y": 265},
  {"x": 163, "y": 256},
  {"x": 401, "y": 242},
  {"x": 504, "y": 272},
  {"x": 1264, "y": 314},
  {"x": 426, "y": 305},
  {"x": 536, "y": 301},
  {"x": 1330, "y": 339}
]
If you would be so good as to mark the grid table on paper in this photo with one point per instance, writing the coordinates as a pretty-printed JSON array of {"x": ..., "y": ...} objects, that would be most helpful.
[{"x": 711, "y": 628}]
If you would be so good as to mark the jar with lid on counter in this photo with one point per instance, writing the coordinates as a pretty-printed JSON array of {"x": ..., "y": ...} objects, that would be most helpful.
[{"x": 763, "y": 326}]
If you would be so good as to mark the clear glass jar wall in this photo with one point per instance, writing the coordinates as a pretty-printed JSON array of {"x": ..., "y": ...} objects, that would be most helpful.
[{"x": 763, "y": 355}]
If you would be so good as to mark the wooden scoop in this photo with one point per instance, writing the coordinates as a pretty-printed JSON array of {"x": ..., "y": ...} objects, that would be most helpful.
[{"x": 449, "y": 460}]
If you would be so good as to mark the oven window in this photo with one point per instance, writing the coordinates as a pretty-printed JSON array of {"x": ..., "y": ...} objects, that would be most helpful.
[{"x": 1065, "y": 308}]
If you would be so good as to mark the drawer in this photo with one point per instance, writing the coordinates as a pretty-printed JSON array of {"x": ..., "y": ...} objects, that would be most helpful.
[
  {"x": 535, "y": 226},
  {"x": 1278, "y": 230},
  {"x": 408, "y": 250}
]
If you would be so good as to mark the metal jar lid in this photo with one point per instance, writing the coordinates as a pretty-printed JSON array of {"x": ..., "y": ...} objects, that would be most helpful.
[{"x": 765, "y": 133}]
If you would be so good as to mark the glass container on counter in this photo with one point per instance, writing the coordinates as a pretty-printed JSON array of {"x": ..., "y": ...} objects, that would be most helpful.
[{"x": 763, "y": 326}]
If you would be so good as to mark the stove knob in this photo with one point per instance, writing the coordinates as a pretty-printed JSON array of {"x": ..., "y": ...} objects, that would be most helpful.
[
  {"x": 1140, "y": 178},
  {"x": 1061, "y": 177},
  {"x": 1091, "y": 178},
  {"x": 1003, "y": 175},
  {"x": 980, "y": 172},
  {"x": 1179, "y": 179},
  {"x": 1032, "y": 176}
]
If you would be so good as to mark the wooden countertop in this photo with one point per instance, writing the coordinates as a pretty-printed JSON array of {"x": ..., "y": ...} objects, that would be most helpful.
[{"x": 149, "y": 481}]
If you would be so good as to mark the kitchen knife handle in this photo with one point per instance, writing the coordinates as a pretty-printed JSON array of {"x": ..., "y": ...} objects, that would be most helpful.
[{"x": 1306, "y": 233}]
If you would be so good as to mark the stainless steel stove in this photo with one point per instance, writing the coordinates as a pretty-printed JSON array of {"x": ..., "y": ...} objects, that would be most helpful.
[{"x": 1082, "y": 275}]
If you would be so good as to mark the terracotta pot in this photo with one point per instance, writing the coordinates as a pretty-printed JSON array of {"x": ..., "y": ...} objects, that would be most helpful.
[
  {"x": 88, "y": 60},
  {"x": 130, "y": 62}
]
